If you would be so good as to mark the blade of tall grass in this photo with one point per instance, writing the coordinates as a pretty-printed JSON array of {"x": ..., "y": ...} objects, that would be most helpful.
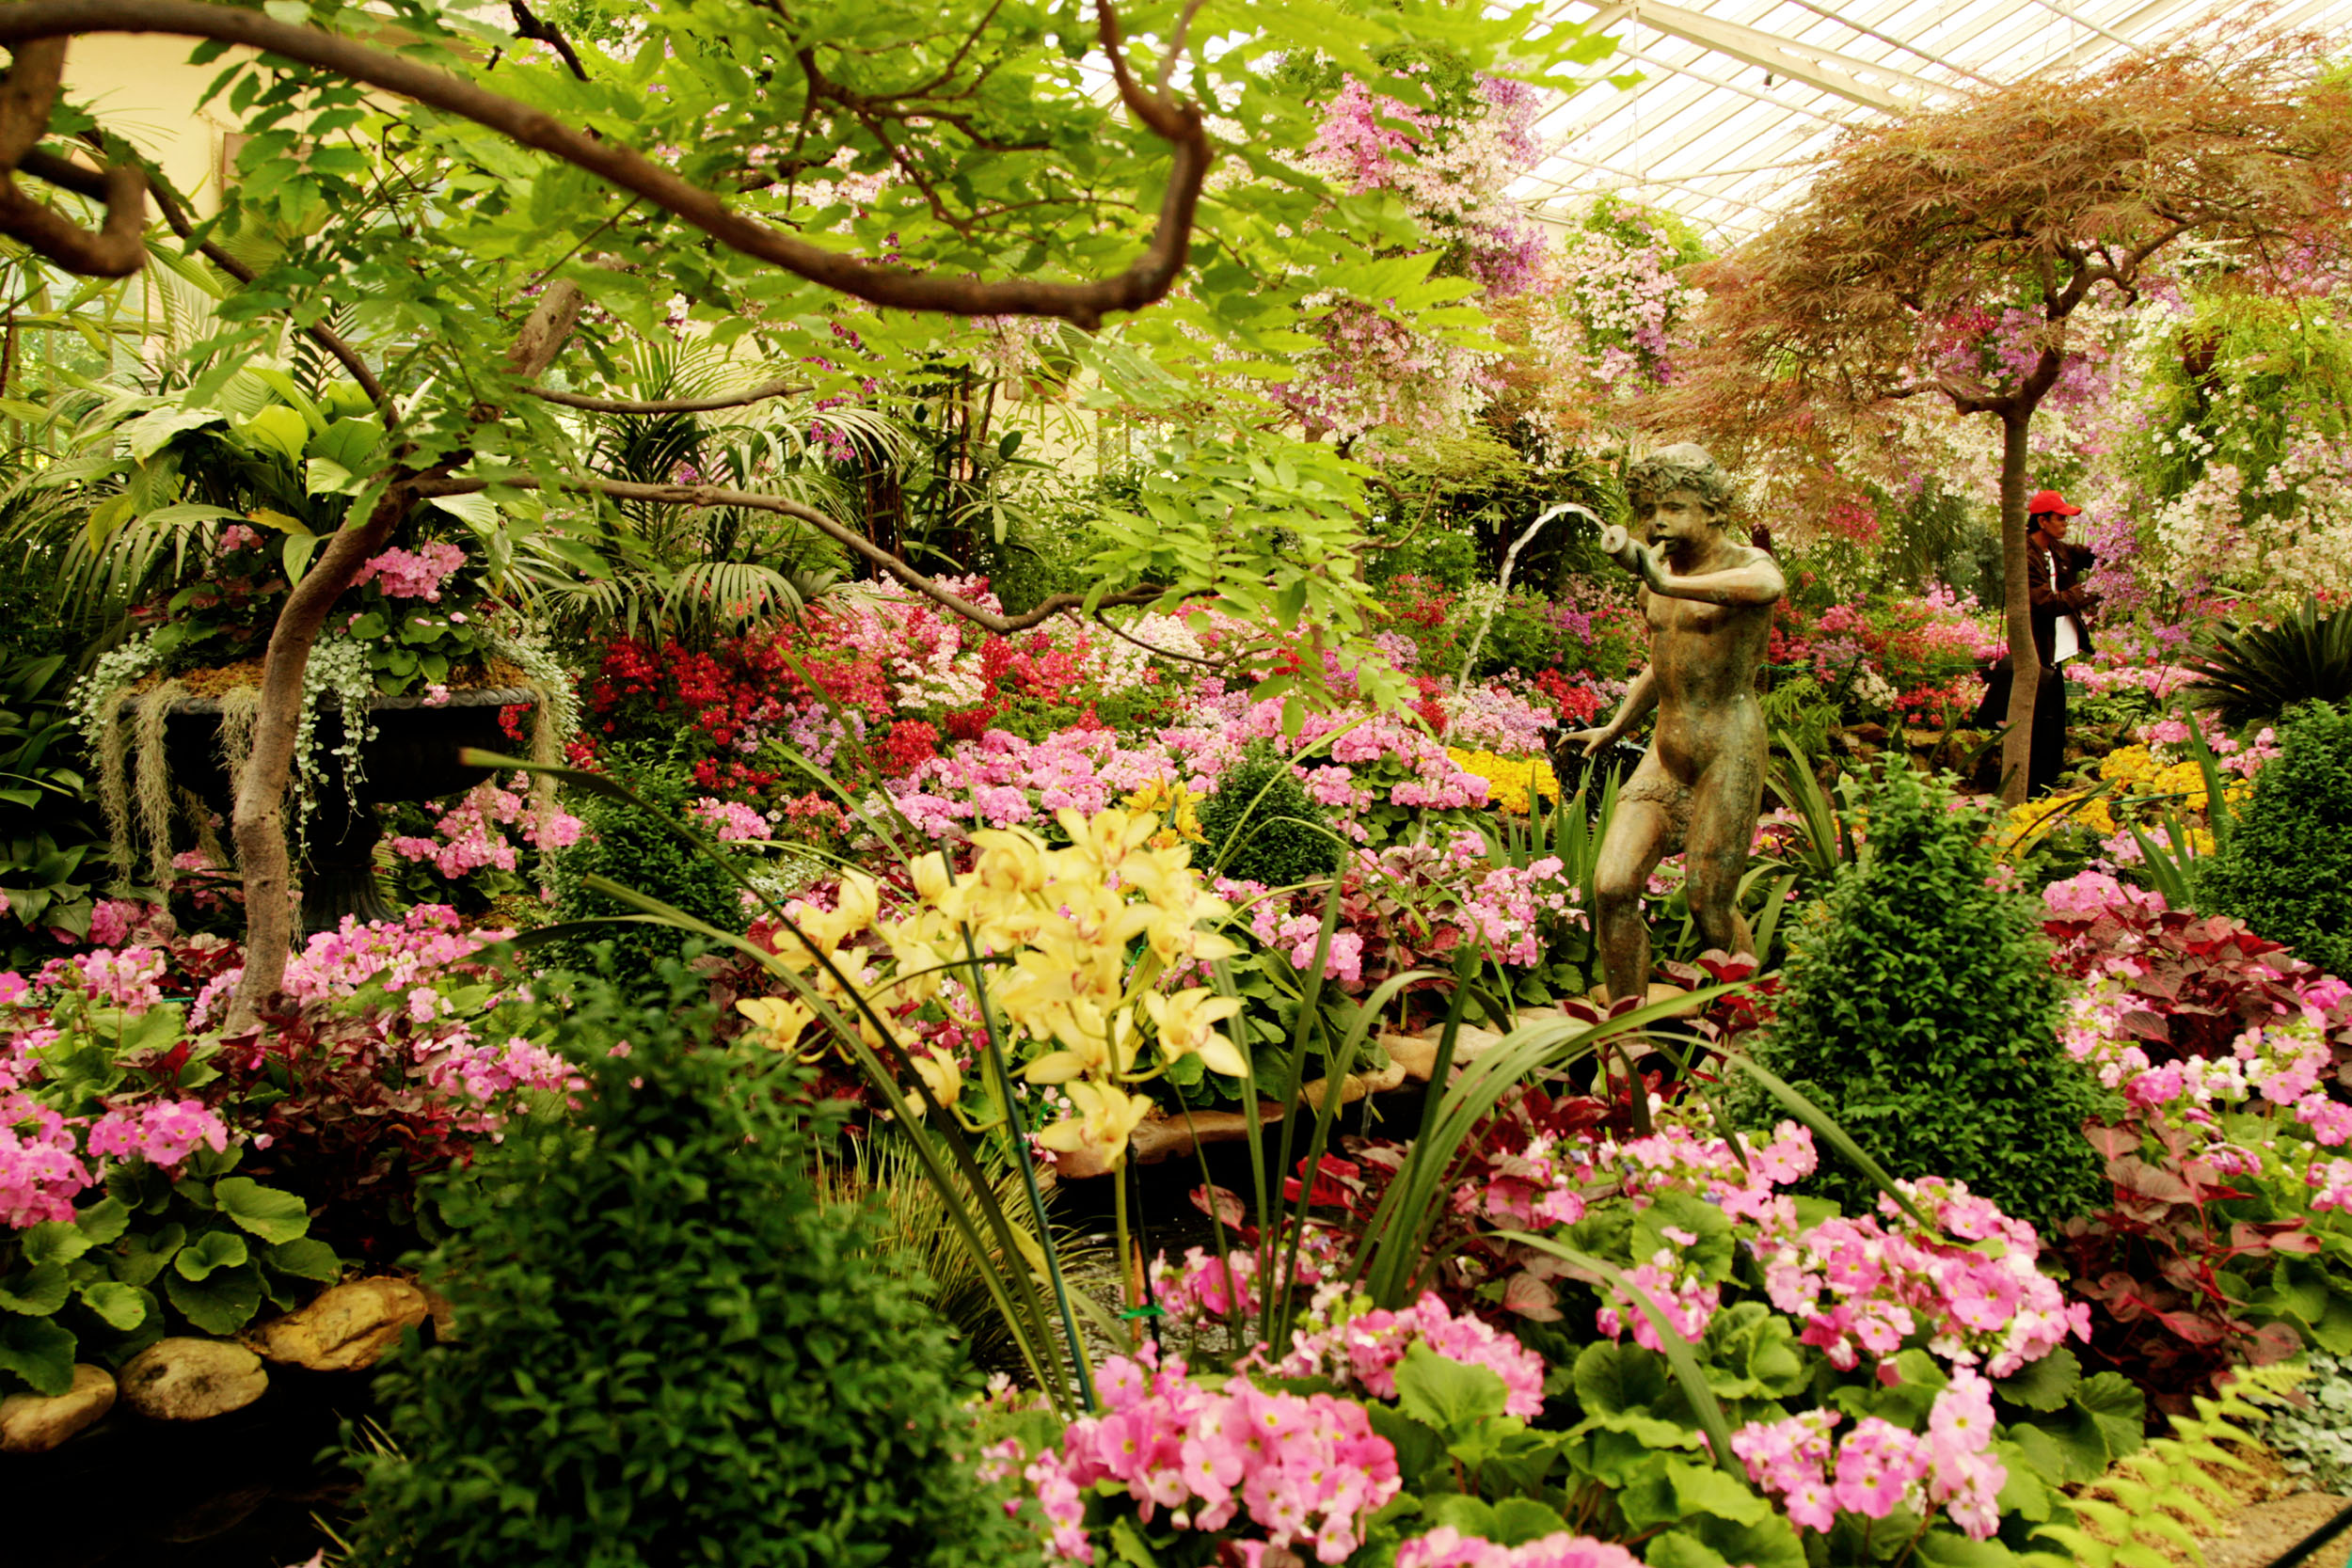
[
  {"x": 1389, "y": 1253},
  {"x": 1688, "y": 1376},
  {"x": 1310, "y": 1015},
  {"x": 1826, "y": 1126}
]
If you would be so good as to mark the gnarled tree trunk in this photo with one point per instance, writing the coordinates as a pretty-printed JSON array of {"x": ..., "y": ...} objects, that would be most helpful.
[
  {"x": 2025, "y": 659},
  {"x": 259, "y": 822}
]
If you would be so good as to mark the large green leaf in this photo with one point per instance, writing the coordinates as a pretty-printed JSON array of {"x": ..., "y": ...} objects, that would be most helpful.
[
  {"x": 1446, "y": 1394},
  {"x": 2043, "y": 1385},
  {"x": 144, "y": 1255},
  {"x": 222, "y": 1303},
  {"x": 38, "y": 1351},
  {"x": 305, "y": 1258},
  {"x": 36, "y": 1291},
  {"x": 118, "y": 1306},
  {"x": 212, "y": 1251},
  {"x": 104, "y": 1221},
  {"x": 54, "y": 1241},
  {"x": 265, "y": 1211}
]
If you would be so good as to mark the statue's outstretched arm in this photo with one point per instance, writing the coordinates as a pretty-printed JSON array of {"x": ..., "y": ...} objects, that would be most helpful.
[{"x": 1758, "y": 583}]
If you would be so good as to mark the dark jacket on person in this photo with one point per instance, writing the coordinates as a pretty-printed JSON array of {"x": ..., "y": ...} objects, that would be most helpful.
[{"x": 2053, "y": 574}]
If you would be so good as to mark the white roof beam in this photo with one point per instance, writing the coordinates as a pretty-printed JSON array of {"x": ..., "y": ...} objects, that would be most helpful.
[
  {"x": 1816, "y": 66},
  {"x": 1868, "y": 32}
]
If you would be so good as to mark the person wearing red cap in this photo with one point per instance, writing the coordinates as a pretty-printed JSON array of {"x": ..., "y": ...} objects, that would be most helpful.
[{"x": 2053, "y": 571}]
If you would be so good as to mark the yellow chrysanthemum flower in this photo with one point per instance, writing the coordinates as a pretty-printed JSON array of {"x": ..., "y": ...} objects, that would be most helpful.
[{"x": 1513, "y": 783}]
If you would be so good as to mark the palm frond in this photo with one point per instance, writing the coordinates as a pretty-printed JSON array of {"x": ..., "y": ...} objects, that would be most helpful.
[{"x": 2254, "y": 673}]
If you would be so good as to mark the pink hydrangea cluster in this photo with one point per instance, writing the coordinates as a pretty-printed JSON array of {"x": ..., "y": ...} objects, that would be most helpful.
[
  {"x": 2167, "y": 740},
  {"x": 1447, "y": 1547},
  {"x": 1001, "y": 779},
  {"x": 1203, "y": 1287},
  {"x": 1972, "y": 1285},
  {"x": 416, "y": 574},
  {"x": 1550, "y": 1182},
  {"x": 731, "y": 821},
  {"x": 1306, "y": 1471},
  {"x": 161, "y": 1131},
  {"x": 1879, "y": 1466},
  {"x": 126, "y": 978},
  {"x": 1364, "y": 1352},
  {"x": 488, "y": 1073},
  {"x": 2330, "y": 1181},
  {"x": 113, "y": 920},
  {"x": 1672, "y": 1285},
  {"x": 1297, "y": 933},
  {"x": 398, "y": 955},
  {"x": 471, "y": 833},
  {"x": 42, "y": 1171},
  {"x": 1677, "y": 1158}
]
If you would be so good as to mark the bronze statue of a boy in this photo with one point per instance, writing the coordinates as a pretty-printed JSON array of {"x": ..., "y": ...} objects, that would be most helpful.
[{"x": 1709, "y": 601}]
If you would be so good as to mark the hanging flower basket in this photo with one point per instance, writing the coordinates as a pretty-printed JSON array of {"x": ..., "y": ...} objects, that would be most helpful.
[{"x": 409, "y": 753}]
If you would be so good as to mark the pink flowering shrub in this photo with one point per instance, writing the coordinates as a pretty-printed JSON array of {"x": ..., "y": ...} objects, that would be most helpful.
[
  {"x": 1447, "y": 1547},
  {"x": 398, "y": 1050},
  {"x": 1875, "y": 1371},
  {"x": 471, "y": 834},
  {"x": 416, "y": 574},
  {"x": 2234, "y": 1059},
  {"x": 1262, "y": 1467}
]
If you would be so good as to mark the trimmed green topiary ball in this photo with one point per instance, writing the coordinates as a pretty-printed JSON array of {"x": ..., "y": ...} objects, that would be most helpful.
[
  {"x": 668, "y": 1351},
  {"x": 1262, "y": 826},
  {"x": 1922, "y": 1014},
  {"x": 2284, "y": 865}
]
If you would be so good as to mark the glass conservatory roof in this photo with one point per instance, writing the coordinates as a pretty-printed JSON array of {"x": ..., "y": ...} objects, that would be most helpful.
[{"x": 1738, "y": 96}]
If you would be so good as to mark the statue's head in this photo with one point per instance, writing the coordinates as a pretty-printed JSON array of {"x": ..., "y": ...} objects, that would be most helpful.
[{"x": 1683, "y": 467}]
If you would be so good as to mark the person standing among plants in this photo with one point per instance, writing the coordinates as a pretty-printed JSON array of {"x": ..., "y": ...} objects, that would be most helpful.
[
  {"x": 2053, "y": 572},
  {"x": 1709, "y": 601}
]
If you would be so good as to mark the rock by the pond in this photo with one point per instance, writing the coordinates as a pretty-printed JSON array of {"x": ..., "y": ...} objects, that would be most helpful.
[
  {"x": 346, "y": 1330},
  {"x": 34, "y": 1423},
  {"x": 191, "y": 1380}
]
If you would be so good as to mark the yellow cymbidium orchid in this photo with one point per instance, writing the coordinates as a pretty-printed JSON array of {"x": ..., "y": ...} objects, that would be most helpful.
[
  {"x": 1107, "y": 1118},
  {"x": 1056, "y": 928},
  {"x": 1187, "y": 1023},
  {"x": 940, "y": 1075},
  {"x": 779, "y": 1020}
]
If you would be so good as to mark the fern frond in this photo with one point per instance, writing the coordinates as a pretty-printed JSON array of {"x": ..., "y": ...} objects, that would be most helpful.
[{"x": 2140, "y": 1511}]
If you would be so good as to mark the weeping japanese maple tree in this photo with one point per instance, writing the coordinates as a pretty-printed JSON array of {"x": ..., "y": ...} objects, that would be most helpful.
[{"x": 1943, "y": 253}]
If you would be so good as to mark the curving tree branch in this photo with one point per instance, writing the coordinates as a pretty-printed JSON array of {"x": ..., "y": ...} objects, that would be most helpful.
[
  {"x": 714, "y": 494},
  {"x": 67, "y": 175},
  {"x": 258, "y": 820},
  {"x": 27, "y": 93},
  {"x": 1083, "y": 304},
  {"x": 760, "y": 393}
]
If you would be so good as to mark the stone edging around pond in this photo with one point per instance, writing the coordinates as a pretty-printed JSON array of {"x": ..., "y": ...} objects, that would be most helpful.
[
  {"x": 181, "y": 1379},
  {"x": 1411, "y": 1059}
]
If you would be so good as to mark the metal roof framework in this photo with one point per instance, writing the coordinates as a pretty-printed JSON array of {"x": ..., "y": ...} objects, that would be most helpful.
[{"x": 1737, "y": 98}]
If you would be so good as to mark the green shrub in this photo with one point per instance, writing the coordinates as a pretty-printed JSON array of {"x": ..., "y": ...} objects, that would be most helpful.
[
  {"x": 2284, "y": 865},
  {"x": 1261, "y": 826},
  {"x": 637, "y": 849},
  {"x": 1922, "y": 1014},
  {"x": 668, "y": 1350}
]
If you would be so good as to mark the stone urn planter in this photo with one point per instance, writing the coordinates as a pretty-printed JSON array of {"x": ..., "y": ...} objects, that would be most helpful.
[{"x": 413, "y": 755}]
